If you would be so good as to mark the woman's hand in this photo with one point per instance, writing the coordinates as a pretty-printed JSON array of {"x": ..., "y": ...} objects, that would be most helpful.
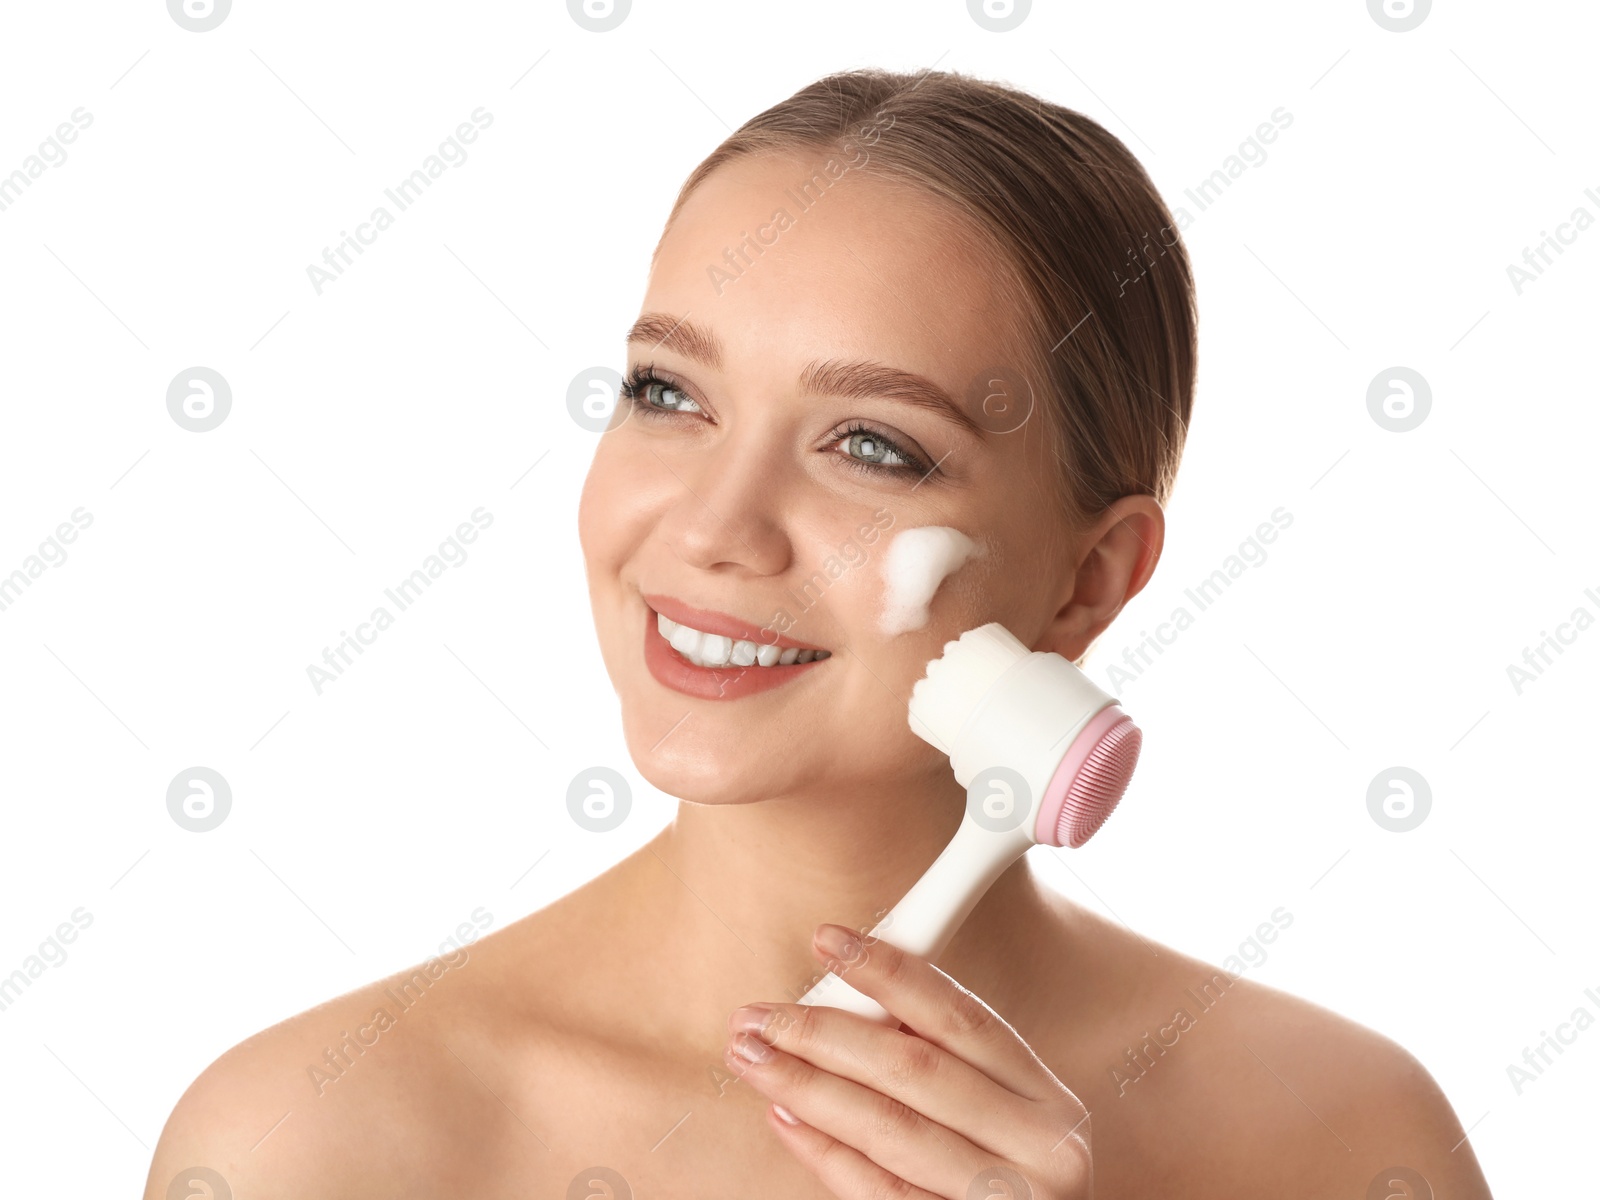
[{"x": 958, "y": 1106}]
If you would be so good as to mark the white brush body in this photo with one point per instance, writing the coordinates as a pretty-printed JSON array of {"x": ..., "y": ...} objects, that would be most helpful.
[{"x": 987, "y": 702}]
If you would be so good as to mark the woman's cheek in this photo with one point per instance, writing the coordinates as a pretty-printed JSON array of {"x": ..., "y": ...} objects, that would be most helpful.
[
  {"x": 820, "y": 598},
  {"x": 588, "y": 515},
  {"x": 980, "y": 590},
  {"x": 620, "y": 495}
]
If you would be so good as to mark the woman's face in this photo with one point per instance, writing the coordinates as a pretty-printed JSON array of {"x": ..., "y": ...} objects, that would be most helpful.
[{"x": 735, "y": 484}]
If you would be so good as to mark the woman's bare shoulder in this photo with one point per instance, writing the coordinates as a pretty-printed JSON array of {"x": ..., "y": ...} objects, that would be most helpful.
[
  {"x": 360, "y": 1095},
  {"x": 1194, "y": 1061}
]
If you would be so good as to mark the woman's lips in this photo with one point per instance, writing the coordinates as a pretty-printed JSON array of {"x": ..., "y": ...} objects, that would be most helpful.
[
  {"x": 674, "y": 671},
  {"x": 709, "y": 621}
]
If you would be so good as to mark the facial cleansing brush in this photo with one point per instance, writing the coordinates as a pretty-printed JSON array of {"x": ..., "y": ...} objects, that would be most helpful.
[{"x": 1044, "y": 755}]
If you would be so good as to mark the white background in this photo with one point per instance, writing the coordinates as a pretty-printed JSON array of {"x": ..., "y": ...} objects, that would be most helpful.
[{"x": 370, "y": 420}]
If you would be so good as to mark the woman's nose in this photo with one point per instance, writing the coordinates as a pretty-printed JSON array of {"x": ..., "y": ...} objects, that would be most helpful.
[{"x": 730, "y": 511}]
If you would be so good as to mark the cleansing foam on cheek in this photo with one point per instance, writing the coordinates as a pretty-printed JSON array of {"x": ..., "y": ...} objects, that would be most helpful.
[{"x": 917, "y": 563}]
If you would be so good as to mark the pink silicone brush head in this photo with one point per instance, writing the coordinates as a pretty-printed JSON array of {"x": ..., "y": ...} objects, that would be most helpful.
[
  {"x": 1092, "y": 777},
  {"x": 988, "y": 699}
]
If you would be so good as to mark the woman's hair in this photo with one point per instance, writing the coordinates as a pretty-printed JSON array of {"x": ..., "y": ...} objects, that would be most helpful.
[{"x": 1107, "y": 308}]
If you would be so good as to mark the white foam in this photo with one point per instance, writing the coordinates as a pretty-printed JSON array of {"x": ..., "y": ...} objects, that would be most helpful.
[{"x": 917, "y": 562}]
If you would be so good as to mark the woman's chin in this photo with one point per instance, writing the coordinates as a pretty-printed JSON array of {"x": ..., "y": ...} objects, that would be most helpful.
[
  {"x": 701, "y": 779},
  {"x": 677, "y": 761}
]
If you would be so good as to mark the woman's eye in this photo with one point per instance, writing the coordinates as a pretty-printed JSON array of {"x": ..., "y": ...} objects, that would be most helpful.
[
  {"x": 671, "y": 398},
  {"x": 869, "y": 447},
  {"x": 864, "y": 448}
]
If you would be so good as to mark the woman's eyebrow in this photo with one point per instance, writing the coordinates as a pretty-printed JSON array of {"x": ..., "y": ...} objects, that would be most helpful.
[
  {"x": 680, "y": 334},
  {"x": 859, "y": 379}
]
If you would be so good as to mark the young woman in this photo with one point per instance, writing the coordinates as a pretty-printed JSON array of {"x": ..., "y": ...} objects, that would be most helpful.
[{"x": 890, "y": 301}]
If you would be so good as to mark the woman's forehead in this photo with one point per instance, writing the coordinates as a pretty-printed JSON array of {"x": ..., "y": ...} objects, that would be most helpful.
[{"x": 869, "y": 268}]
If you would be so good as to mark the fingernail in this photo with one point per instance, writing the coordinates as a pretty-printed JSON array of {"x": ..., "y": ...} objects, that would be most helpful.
[
  {"x": 751, "y": 1049},
  {"x": 752, "y": 1018},
  {"x": 786, "y": 1114},
  {"x": 838, "y": 942}
]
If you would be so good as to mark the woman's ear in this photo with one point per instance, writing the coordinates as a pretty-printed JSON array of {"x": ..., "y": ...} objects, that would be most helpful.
[{"x": 1116, "y": 555}]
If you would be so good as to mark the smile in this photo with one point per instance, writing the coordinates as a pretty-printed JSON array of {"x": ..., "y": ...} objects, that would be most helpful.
[
  {"x": 713, "y": 650},
  {"x": 714, "y": 656}
]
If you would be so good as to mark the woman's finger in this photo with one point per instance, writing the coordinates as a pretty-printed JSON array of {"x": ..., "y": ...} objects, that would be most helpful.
[
  {"x": 844, "y": 1170},
  {"x": 902, "y": 1067},
  {"x": 885, "y": 1132},
  {"x": 939, "y": 1009}
]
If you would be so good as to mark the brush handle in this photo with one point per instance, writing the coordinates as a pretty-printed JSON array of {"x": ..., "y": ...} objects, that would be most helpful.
[
  {"x": 989, "y": 702},
  {"x": 927, "y": 916}
]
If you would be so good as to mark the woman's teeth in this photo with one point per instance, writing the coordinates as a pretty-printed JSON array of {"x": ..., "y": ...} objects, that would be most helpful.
[{"x": 714, "y": 650}]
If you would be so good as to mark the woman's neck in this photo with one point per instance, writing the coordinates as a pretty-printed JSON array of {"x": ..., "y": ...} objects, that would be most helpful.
[{"x": 721, "y": 905}]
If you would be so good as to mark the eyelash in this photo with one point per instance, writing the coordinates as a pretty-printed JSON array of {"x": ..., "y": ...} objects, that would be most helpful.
[{"x": 639, "y": 379}]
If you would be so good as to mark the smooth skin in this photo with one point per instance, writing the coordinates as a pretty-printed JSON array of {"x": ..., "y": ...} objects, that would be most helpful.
[{"x": 597, "y": 1034}]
